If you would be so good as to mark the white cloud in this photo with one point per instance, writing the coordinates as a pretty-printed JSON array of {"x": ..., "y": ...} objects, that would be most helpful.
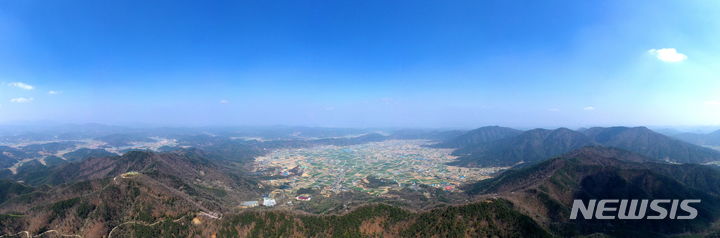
[
  {"x": 53, "y": 92},
  {"x": 224, "y": 101},
  {"x": 713, "y": 103},
  {"x": 21, "y": 85},
  {"x": 670, "y": 55},
  {"x": 589, "y": 108},
  {"x": 21, "y": 100}
]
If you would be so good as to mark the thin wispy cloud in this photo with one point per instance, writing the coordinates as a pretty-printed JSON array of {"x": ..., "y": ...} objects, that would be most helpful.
[
  {"x": 53, "y": 92},
  {"x": 712, "y": 103},
  {"x": 387, "y": 100},
  {"x": 21, "y": 85},
  {"x": 670, "y": 55},
  {"x": 21, "y": 100},
  {"x": 589, "y": 108},
  {"x": 224, "y": 101}
]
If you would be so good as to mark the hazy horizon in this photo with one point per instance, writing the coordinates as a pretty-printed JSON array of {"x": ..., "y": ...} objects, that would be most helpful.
[
  {"x": 25, "y": 126},
  {"x": 361, "y": 64}
]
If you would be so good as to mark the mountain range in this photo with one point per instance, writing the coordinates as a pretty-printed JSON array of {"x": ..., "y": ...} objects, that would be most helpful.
[
  {"x": 194, "y": 189},
  {"x": 95, "y": 195},
  {"x": 546, "y": 191},
  {"x": 536, "y": 145},
  {"x": 711, "y": 139}
]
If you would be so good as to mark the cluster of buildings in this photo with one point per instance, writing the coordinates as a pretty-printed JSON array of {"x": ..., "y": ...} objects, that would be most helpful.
[
  {"x": 334, "y": 169},
  {"x": 266, "y": 202}
]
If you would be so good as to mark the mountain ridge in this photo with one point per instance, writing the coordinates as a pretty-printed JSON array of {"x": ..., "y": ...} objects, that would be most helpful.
[
  {"x": 546, "y": 190},
  {"x": 478, "y": 136},
  {"x": 539, "y": 144}
]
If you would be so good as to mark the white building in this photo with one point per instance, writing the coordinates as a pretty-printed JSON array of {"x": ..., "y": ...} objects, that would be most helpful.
[{"x": 268, "y": 202}]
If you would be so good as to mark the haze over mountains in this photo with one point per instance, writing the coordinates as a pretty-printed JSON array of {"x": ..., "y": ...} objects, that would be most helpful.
[
  {"x": 538, "y": 144},
  {"x": 712, "y": 138},
  {"x": 482, "y": 147}
]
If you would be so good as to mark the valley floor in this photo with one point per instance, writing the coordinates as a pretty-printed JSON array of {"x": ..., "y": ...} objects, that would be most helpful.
[{"x": 374, "y": 168}]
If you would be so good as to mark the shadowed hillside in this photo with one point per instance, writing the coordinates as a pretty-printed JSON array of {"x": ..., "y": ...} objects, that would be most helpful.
[
  {"x": 545, "y": 191},
  {"x": 490, "y": 218}
]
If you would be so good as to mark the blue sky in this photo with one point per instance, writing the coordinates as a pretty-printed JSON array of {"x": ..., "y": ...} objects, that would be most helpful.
[{"x": 361, "y": 63}]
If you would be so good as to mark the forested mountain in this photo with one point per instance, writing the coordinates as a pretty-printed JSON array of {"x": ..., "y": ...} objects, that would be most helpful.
[
  {"x": 546, "y": 191},
  {"x": 539, "y": 144},
  {"x": 92, "y": 208},
  {"x": 712, "y": 139},
  {"x": 488, "y": 218},
  {"x": 479, "y": 136},
  {"x": 646, "y": 142},
  {"x": 95, "y": 195},
  {"x": 527, "y": 147}
]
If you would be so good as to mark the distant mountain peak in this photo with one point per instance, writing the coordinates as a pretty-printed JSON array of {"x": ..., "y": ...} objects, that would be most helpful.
[
  {"x": 479, "y": 136},
  {"x": 541, "y": 144}
]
